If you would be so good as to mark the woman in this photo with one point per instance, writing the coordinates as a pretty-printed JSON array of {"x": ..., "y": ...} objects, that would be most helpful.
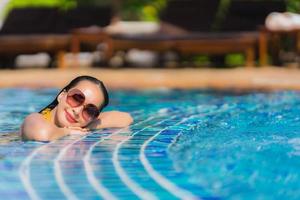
[{"x": 76, "y": 108}]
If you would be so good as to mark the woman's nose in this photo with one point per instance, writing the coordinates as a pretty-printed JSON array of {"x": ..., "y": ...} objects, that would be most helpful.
[{"x": 76, "y": 111}]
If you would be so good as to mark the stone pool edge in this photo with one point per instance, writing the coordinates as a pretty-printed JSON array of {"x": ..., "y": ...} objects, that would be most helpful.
[{"x": 263, "y": 78}]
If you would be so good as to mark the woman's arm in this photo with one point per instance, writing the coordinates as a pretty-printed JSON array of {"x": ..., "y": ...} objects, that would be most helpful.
[
  {"x": 35, "y": 127},
  {"x": 112, "y": 119}
]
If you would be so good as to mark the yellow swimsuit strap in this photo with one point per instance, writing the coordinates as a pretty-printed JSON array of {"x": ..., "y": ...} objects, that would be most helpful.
[{"x": 47, "y": 114}]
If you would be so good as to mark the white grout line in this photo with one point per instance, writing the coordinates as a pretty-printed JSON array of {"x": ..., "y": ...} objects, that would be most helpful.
[
  {"x": 58, "y": 172},
  {"x": 24, "y": 172},
  {"x": 138, "y": 190},
  {"x": 161, "y": 180},
  {"x": 100, "y": 189}
]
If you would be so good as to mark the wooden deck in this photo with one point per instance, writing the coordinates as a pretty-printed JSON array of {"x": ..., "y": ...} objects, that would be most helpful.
[{"x": 265, "y": 78}]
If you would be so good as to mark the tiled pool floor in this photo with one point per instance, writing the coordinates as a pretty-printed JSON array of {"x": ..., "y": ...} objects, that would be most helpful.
[
  {"x": 183, "y": 145},
  {"x": 111, "y": 163}
]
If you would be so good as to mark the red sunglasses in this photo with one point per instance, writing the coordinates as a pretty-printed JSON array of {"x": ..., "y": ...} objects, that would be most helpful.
[{"x": 76, "y": 98}]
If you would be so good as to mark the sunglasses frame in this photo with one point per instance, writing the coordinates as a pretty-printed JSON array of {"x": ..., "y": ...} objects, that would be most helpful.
[{"x": 86, "y": 115}]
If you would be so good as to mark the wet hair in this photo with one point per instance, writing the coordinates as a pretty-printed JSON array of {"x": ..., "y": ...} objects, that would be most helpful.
[{"x": 73, "y": 83}]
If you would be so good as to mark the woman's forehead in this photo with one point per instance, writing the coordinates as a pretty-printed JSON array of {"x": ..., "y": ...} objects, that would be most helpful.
[{"x": 91, "y": 91}]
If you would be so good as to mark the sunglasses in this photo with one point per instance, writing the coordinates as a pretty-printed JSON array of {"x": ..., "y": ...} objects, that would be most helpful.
[{"x": 76, "y": 98}]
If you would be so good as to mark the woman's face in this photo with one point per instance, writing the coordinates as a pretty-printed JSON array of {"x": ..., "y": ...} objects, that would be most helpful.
[{"x": 68, "y": 115}]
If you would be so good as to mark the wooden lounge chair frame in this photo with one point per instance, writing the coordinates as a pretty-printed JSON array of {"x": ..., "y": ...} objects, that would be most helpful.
[
  {"x": 197, "y": 44},
  {"x": 242, "y": 38},
  {"x": 24, "y": 36}
]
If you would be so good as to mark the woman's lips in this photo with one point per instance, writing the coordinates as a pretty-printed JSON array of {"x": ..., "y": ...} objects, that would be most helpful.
[{"x": 69, "y": 117}]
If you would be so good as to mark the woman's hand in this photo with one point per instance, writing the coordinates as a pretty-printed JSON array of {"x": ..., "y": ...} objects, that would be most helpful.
[
  {"x": 77, "y": 130},
  {"x": 114, "y": 119}
]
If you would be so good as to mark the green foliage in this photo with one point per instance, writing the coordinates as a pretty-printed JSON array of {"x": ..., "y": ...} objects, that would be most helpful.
[
  {"x": 235, "y": 59},
  {"x": 146, "y": 10},
  {"x": 201, "y": 60},
  {"x": 293, "y": 5},
  {"x": 221, "y": 14},
  {"x": 63, "y": 4}
]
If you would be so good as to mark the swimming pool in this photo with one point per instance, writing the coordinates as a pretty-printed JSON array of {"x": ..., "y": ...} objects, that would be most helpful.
[{"x": 195, "y": 144}]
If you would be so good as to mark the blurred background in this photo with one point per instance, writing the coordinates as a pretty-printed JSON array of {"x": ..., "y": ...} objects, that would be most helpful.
[{"x": 145, "y": 33}]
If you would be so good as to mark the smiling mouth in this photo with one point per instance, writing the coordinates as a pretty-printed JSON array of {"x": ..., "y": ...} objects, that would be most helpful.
[{"x": 69, "y": 117}]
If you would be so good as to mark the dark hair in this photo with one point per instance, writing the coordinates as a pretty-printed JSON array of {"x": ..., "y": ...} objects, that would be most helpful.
[{"x": 73, "y": 83}]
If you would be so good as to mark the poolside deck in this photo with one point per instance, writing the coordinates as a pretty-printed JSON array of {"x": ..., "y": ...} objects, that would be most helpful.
[{"x": 264, "y": 78}]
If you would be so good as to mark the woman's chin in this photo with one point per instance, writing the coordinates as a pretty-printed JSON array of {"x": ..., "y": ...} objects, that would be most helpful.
[
  {"x": 68, "y": 124},
  {"x": 62, "y": 122}
]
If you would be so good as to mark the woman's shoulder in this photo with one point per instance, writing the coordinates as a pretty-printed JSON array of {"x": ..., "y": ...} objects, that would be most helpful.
[
  {"x": 34, "y": 117},
  {"x": 36, "y": 121},
  {"x": 35, "y": 124}
]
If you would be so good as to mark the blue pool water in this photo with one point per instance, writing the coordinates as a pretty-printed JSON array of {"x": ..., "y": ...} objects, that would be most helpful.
[{"x": 183, "y": 145}]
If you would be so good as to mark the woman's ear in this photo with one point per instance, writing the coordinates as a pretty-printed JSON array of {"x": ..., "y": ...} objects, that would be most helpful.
[{"x": 61, "y": 95}]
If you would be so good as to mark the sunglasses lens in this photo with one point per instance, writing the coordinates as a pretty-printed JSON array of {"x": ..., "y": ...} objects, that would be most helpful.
[
  {"x": 75, "y": 98},
  {"x": 90, "y": 112}
]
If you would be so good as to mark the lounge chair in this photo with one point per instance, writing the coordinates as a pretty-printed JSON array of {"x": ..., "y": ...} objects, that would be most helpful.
[
  {"x": 188, "y": 27},
  {"x": 247, "y": 15},
  {"x": 33, "y": 30}
]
